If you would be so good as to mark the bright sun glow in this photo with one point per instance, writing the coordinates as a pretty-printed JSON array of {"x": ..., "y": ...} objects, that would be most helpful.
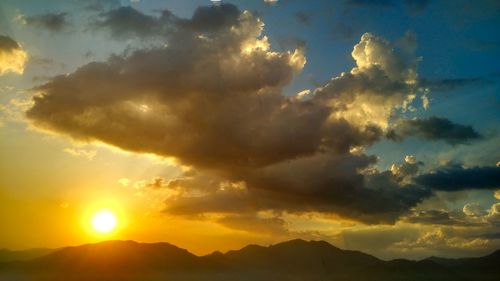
[{"x": 104, "y": 221}]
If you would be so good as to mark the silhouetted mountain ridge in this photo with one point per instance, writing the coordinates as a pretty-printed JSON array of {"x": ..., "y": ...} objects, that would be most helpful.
[
  {"x": 8, "y": 255},
  {"x": 290, "y": 260}
]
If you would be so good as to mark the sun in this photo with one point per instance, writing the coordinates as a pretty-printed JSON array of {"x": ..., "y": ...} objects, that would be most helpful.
[{"x": 104, "y": 221}]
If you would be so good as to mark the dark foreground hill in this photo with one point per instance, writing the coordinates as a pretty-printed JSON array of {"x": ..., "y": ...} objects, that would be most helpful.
[
  {"x": 7, "y": 255},
  {"x": 293, "y": 260}
]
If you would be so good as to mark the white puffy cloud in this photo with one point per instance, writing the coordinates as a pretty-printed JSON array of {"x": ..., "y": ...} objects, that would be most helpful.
[{"x": 382, "y": 80}]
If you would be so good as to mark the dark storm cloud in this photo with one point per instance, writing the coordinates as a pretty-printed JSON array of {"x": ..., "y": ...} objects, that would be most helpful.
[
  {"x": 213, "y": 18},
  {"x": 456, "y": 177},
  {"x": 318, "y": 183},
  {"x": 126, "y": 22},
  {"x": 434, "y": 128},
  {"x": 50, "y": 21},
  {"x": 213, "y": 99},
  {"x": 8, "y": 44}
]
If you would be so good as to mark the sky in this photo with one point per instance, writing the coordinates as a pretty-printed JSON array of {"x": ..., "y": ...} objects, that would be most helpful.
[{"x": 211, "y": 125}]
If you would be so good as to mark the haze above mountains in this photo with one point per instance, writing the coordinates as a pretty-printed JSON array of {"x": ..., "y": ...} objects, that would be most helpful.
[{"x": 291, "y": 260}]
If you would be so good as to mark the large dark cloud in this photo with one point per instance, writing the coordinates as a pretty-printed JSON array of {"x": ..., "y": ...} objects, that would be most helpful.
[
  {"x": 127, "y": 22},
  {"x": 212, "y": 18},
  {"x": 434, "y": 128},
  {"x": 212, "y": 98},
  {"x": 50, "y": 21},
  {"x": 456, "y": 177},
  {"x": 313, "y": 184}
]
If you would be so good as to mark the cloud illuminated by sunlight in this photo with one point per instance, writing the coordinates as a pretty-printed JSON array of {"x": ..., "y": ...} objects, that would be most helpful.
[{"x": 12, "y": 57}]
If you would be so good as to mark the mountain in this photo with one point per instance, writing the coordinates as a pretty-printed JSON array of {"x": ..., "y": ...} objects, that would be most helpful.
[
  {"x": 288, "y": 261},
  {"x": 488, "y": 267},
  {"x": 7, "y": 255}
]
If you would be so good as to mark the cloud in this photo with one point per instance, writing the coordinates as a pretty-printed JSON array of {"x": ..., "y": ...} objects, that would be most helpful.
[
  {"x": 493, "y": 215},
  {"x": 440, "y": 217},
  {"x": 51, "y": 21},
  {"x": 319, "y": 183},
  {"x": 419, "y": 241},
  {"x": 383, "y": 80},
  {"x": 407, "y": 170},
  {"x": 79, "y": 152},
  {"x": 456, "y": 177},
  {"x": 13, "y": 110},
  {"x": 124, "y": 182},
  {"x": 497, "y": 194},
  {"x": 384, "y": 235},
  {"x": 270, "y": 2},
  {"x": 125, "y": 22},
  {"x": 434, "y": 128},
  {"x": 155, "y": 183},
  {"x": 472, "y": 210},
  {"x": 212, "y": 97},
  {"x": 450, "y": 84},
  {"x": 12, "y": 56},
  {"x": 270, "y": 225},
  {"x": 441, "y": 239},
  {"x": 303, "y": 17}
]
